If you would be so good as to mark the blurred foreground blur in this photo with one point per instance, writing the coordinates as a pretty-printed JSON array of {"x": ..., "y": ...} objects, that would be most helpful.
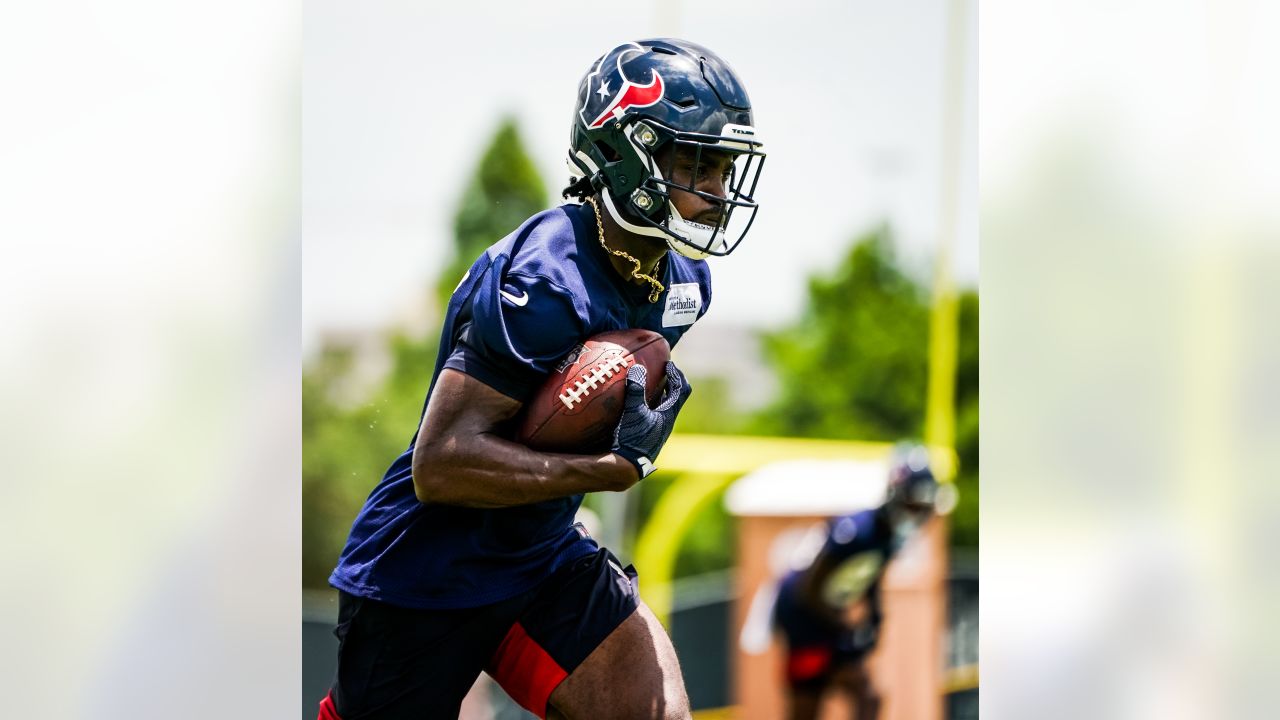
[
  {"x": 1130, "y": 359},
  {"x": 148, "y": 372}
]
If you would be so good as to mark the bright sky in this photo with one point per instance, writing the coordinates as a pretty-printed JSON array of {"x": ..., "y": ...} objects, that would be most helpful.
[{"x": 400, "y": 96}]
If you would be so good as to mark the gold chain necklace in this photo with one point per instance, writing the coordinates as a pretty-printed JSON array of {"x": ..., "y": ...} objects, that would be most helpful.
[{"x": 635, "y": 272}]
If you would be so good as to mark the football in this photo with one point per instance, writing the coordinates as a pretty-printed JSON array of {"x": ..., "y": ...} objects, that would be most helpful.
[{"x": 578, "y": 407}]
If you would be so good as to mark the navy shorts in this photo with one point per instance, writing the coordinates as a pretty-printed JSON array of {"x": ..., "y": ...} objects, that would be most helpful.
[{"x": 396, "y": 662}]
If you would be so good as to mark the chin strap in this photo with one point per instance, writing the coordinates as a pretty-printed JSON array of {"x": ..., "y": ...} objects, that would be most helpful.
[{"x": 635, "y": 272}]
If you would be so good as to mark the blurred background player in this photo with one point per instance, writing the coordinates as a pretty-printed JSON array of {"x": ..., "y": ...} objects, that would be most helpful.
[
  {"x": 830, "y": 612},
  {"x": 465, "y": 557}
]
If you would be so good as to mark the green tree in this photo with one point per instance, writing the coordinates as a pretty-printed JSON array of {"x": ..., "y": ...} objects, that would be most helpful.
[
  {"x": 854, "y": 365},
  {"x": 347, "y": 446},
  {"x": 504, "y": 191},
  {"x": 964, "y": 522}
]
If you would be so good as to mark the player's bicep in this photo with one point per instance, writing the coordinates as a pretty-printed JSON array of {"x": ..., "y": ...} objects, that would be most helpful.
[
  {"x": 461, "y": 405},
  {"x": 461, "y": 412}
]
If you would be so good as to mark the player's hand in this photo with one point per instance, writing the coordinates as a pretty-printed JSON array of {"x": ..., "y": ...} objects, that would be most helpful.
[{"x": 642, "y": 431}]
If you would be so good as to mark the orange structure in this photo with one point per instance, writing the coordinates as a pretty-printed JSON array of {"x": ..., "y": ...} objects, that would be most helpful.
[{"x": 780, "y": 507}]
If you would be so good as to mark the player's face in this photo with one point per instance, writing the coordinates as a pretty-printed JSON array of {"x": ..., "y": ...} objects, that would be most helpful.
[
  {"x": 910, "y": 517},
  {"x": 709, "y": 173}
]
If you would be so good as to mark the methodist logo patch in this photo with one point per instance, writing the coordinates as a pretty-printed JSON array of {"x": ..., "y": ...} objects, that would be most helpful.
[{"x": 684, "y": 300}]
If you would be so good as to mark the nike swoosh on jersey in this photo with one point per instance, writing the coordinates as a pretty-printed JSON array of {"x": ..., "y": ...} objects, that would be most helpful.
[{"x": 518, "y": 301}]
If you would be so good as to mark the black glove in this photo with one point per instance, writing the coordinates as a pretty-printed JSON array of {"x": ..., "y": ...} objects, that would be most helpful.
[{"x": 642, "y": 431}]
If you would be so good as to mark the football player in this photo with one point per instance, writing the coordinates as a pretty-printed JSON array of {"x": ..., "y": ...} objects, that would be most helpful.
[
  {"x": 830, "y": 612},
  {"x": 465, "y": 557}
]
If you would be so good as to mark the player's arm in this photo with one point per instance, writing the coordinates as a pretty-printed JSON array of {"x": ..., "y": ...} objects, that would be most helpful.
[
  {"x": 460, "y": 458},
  {"x": 875, "y": 606}
]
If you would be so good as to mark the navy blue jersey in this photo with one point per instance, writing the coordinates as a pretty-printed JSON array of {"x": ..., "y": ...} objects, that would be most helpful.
[
  {"x": 861, "y": 545},
  {"x": 521, "y": 307}
]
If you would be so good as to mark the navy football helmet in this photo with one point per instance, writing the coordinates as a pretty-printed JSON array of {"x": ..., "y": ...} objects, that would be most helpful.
[
  {"x": 911, "y": 481},
  {"x": 642, "y": 98},
  {"x": 913, "y": 492}
]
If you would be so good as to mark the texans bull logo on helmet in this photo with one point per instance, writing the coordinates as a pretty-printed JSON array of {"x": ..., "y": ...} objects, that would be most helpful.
[{"x": 630, "y": 94}]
